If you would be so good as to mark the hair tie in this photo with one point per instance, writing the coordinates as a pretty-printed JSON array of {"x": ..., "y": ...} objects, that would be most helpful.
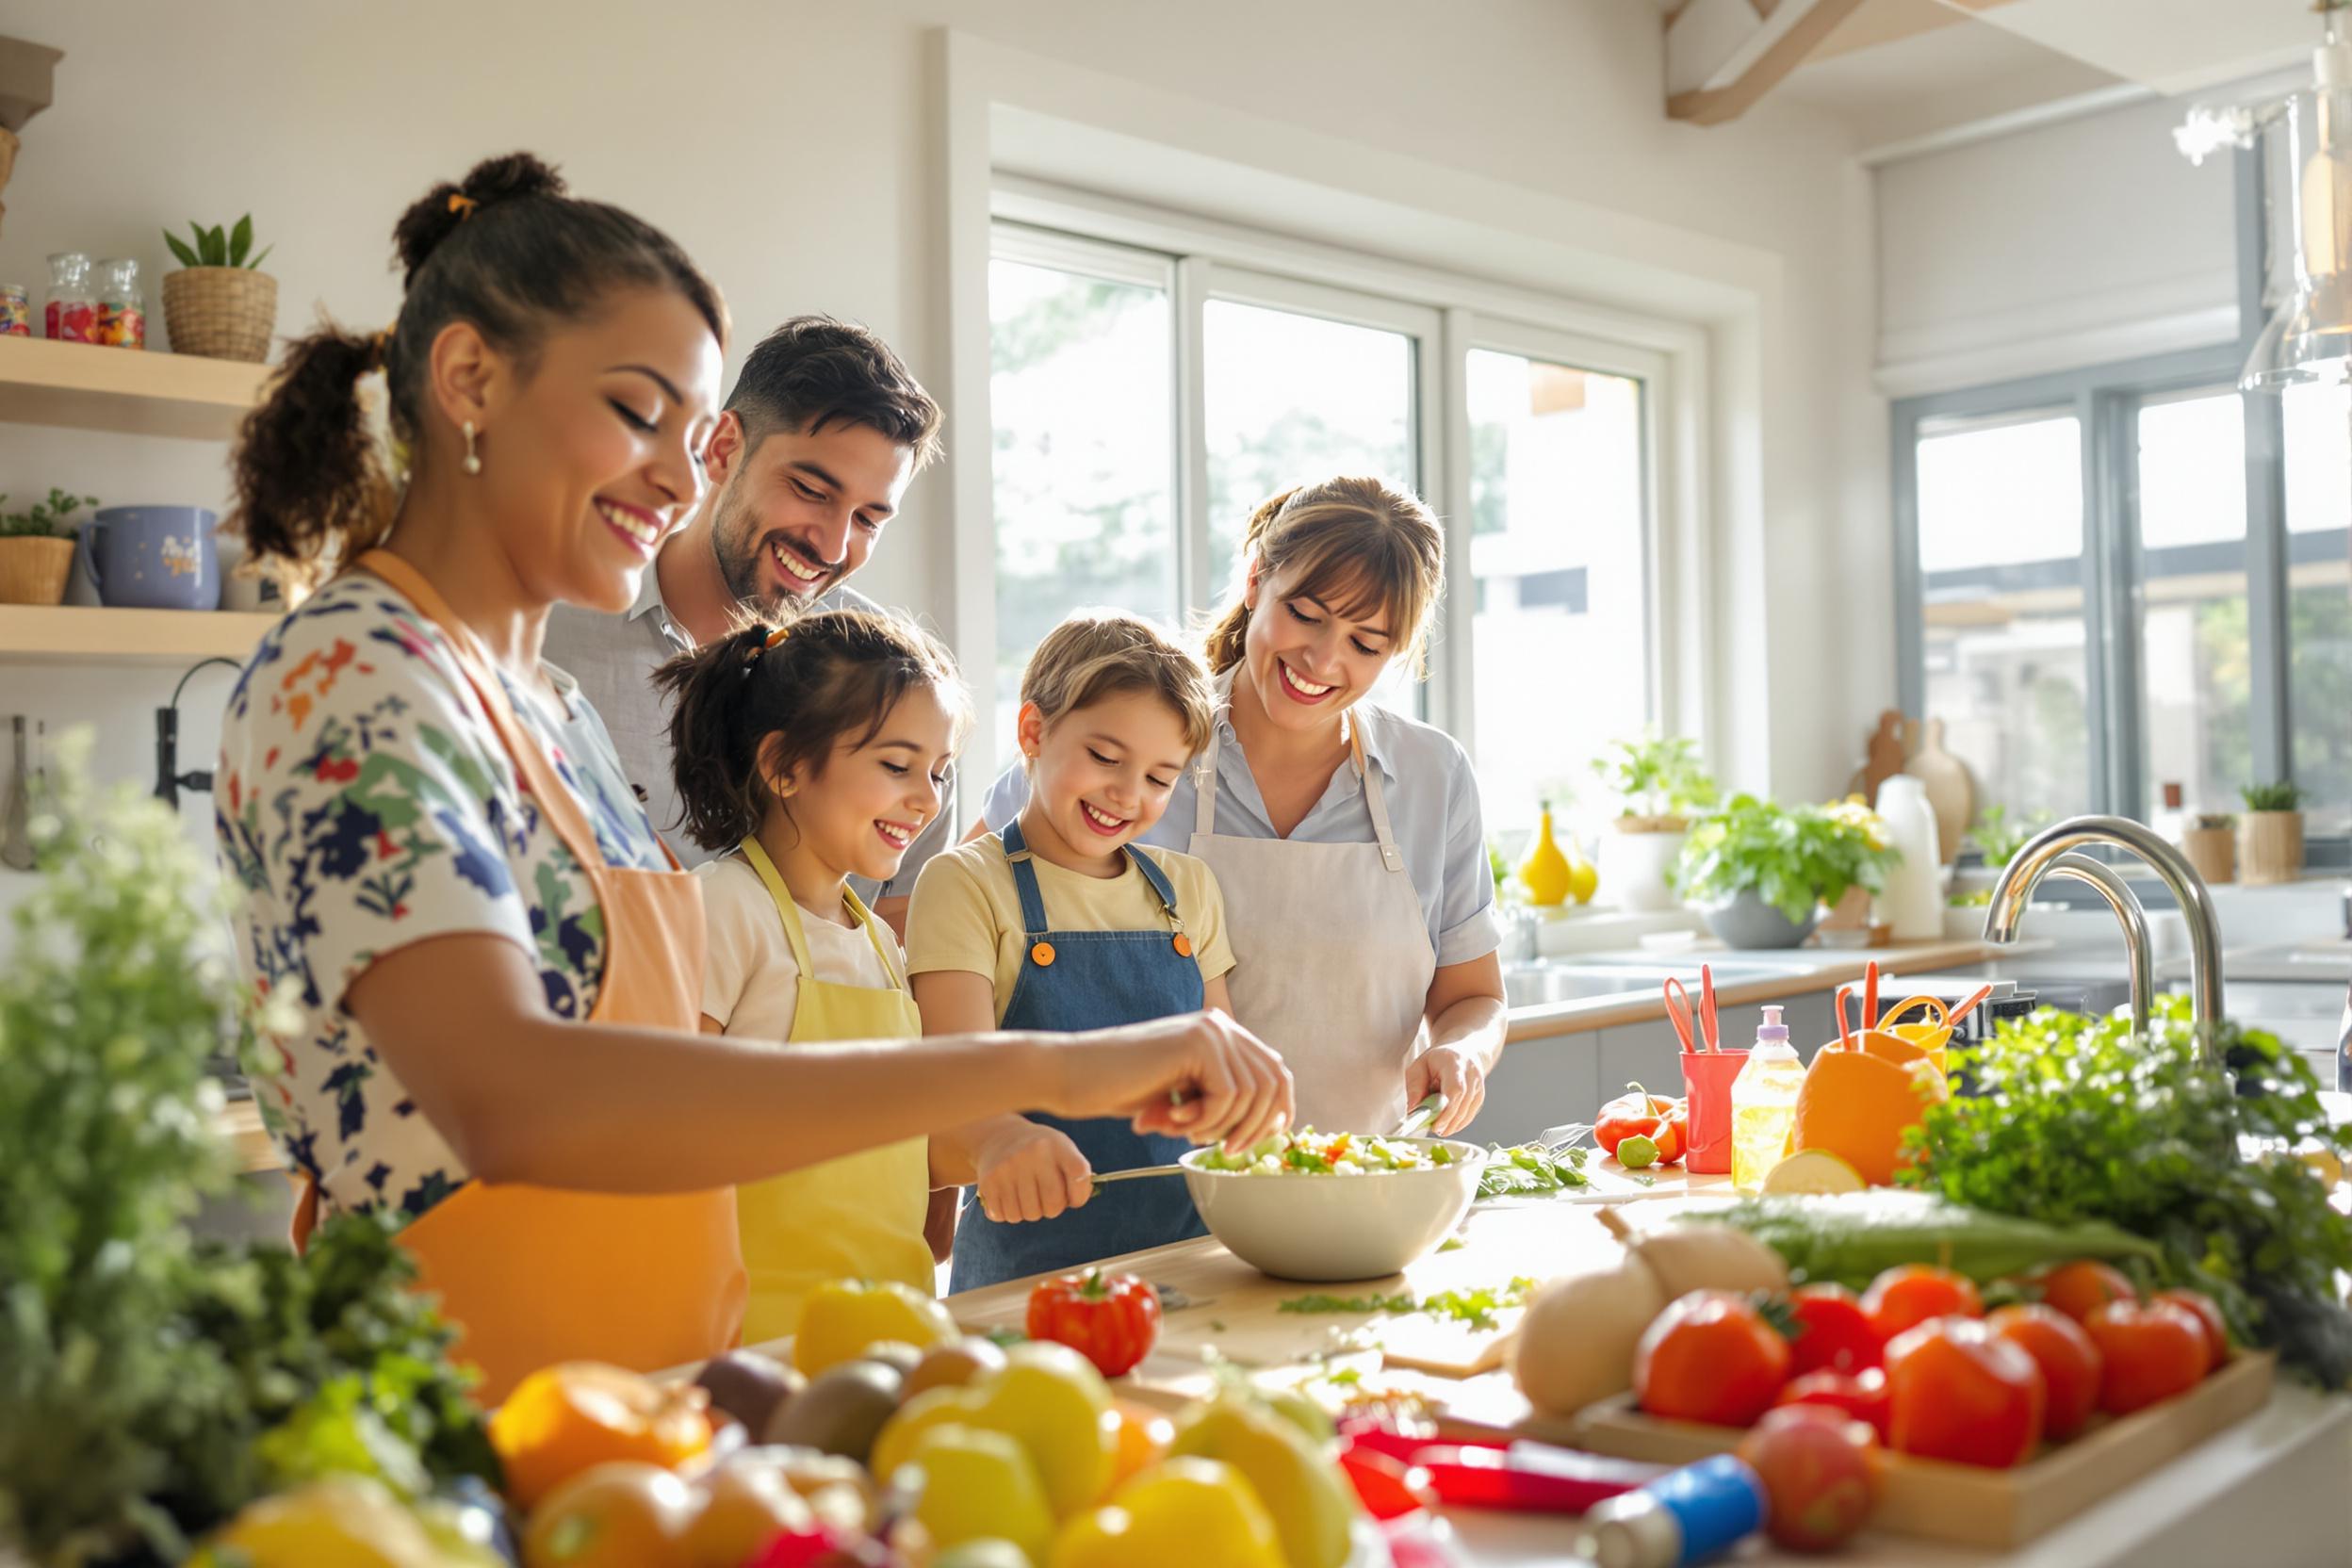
[
  {"x": 765, "y": 644},
  {"x": 462, "y": 204}
]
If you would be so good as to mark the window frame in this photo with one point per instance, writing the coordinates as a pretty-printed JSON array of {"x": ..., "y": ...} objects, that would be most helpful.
[
  {"x": 2105, "y": 400},
  {"x": 1445, "y": 317}
]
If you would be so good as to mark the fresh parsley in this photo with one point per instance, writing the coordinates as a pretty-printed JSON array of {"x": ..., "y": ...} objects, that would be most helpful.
[{"x": 1478, "y": 1308}]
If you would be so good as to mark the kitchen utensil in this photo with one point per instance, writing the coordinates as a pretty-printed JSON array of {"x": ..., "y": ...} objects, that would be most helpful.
[
  {"x": 1845, "y": 1039},
  {"x": 1679, "y": 1014},
  {"x": 1870, "y": 995},
  {"x": 1707, "y": 1079},
  {"x": 1104, "y": 1179},
  {"x": 1417, "y": 1119},
  {"x": 1951, "y": 790},
  {"x": 1522, "y": 1475},
  {"x": 1710, "y": 1025},
  {"x": 1336, "y": 1227}
]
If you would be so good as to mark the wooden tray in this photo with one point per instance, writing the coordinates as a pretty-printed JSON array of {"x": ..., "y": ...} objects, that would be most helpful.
[{"x": 1995, "y": 1509}]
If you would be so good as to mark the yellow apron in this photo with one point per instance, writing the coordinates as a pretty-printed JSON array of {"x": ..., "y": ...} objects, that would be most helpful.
[
  {"x": 859, "y": 1216},
  {"x": 529, "y": 1275}
]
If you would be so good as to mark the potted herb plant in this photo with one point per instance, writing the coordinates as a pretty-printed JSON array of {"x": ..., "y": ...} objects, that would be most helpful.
[
  {"x": 2270, "y": 835},
  {"x": 1659, "y": 783},
  {"x": 1759, "y": 872},
  {"x": 37, "y": 549},
  {"x": 2210, "y": 840},
  {"x": 220, "y": 304}
]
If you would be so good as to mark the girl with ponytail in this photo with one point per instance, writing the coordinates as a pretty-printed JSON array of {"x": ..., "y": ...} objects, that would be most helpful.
[
  {"x": 806, "y": 753},
  {"x": 1348, "y": 838},
  {"x": 484, "y": 972}
]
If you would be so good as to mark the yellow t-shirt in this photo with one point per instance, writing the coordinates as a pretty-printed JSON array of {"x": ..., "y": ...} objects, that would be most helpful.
[{"x": 966, "y": 913}]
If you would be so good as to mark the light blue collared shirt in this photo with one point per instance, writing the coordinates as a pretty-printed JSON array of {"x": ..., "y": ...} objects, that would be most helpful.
[{"x": 1432, "y": 807}]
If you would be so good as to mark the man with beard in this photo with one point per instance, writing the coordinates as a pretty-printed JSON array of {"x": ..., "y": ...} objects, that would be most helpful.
[{"x": 817, "y": 444}]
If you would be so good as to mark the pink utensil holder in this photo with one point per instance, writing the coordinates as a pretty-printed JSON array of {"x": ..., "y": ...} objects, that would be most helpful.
[{"x": 1706, "y": 1077}]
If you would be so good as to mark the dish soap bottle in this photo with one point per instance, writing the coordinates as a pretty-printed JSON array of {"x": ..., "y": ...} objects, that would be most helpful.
[
  {"x": 1546, "y": 873},
  {"x": 1764, "y": 1104}
]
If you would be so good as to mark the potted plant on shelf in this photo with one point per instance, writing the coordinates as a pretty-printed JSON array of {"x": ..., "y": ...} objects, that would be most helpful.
[
  {"x": 37, "y": 549},
  {"x": 1759, "y": 873},
  {"x": 220, "y": 304},
  {"x": 2270, "y": 835},
  {"x": 1659, "y": 783},
  {"x": 2211, "y": 842}
]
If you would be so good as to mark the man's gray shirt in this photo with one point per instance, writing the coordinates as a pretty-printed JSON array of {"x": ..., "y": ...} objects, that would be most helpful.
[{"x": 613, "y": 658}]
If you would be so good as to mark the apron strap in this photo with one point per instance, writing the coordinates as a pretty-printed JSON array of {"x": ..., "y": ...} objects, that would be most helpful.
[
  {"x": 786, "y": 910},
  {"x": 865, "y": 917},
  {"x": 1375, "y": 801},
  {"x": 1033, "y": 921},
  {"x": 1204, "y": 783}
]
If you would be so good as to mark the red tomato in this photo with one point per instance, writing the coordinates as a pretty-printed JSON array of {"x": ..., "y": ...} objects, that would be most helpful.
[
  {"x": 1820, "y": 1473},
  {"x": 1962, "y": 1395},
  {"x": 2154, "y": 1350},
  {"x": 1862, "y": 1395},
  {"x": 2071, "y": 1364},
  {"x": 2079, "y": 1287},
  {"x": 1833, "y": 1334},
  {"x": 2209, "y": 1317},
  {"x": 1111, "y": 1319},
  {"x": 1910, "y": 1294},
  {"x": 1709, "y": 1357}
]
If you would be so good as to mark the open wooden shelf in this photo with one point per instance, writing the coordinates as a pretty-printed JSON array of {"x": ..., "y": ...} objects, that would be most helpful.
[
  {"x": 125, "y": 391},
  {"x": 79, "y": 634}
]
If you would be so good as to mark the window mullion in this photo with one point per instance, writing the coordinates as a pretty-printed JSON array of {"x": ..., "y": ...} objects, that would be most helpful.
[
  {"x": 2112, "y": 597},
  {"x": 1198, "y": 594},
  {"x": 1454, "y": 705}
]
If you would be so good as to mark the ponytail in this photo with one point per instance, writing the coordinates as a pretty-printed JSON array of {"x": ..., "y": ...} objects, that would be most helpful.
[
  {"x": 309, "y": 486},
  {"x": 1223, "y": 649}
]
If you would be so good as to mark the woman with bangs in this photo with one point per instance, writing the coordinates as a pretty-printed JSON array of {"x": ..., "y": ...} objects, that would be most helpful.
[{"x": 1348, "y": 838}]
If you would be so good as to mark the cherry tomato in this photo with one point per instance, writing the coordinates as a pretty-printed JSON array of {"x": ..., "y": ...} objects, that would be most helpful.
[
  {"x": 1960, "y": 1394},
  {"x": 1910, "y": 1294},
  {"x": 1709, "y": 1357},
  {"x": 2071, "y": 1364},
  {"x": 2152, "y": 1349},
  {"x": 2076, "y": 1288},
  {"x": 1833, "y": 1334},
  {"x": 1862, "y": 1395},
  {"x": 1111, "y": 1319},
  {"x": 2208, "y": 1316}
]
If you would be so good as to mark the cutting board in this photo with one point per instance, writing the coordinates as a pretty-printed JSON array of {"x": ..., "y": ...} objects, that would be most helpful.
[
  {"x": 1883, "y": 755},
  {"x": 1951, "y": 790}
]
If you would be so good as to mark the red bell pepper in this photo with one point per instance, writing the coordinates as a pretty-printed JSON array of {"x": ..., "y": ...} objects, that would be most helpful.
[{"x": 1636, "y": 1112}]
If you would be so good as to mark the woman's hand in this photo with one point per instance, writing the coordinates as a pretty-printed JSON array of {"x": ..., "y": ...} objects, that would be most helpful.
[
  {"x": 1449, "y": 1070},
  {"x": 1198, "y": 1075},
  {"x": 1028, "y": 1172}
]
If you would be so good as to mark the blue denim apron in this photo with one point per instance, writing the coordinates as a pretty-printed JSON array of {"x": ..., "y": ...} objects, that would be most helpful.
[{"x": 1073, "y": 980}]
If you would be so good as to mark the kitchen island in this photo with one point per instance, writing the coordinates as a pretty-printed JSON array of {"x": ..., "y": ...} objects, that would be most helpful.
[{"x": 2269, "y": 1490}]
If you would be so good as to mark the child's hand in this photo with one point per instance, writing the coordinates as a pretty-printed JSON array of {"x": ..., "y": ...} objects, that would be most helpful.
[{"x": 1031, "y": 1172}]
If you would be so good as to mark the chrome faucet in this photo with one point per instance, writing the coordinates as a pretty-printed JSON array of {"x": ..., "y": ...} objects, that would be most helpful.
[{"x": 2050, "y": 852}]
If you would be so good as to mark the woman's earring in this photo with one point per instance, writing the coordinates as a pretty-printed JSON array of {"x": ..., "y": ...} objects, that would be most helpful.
[{"x": 473, "y": 460}]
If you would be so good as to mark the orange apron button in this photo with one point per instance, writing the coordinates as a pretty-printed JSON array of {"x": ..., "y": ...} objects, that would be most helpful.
[
  {"x": 1043, "y": 955},
  {"x": 1183, "y": 945}
]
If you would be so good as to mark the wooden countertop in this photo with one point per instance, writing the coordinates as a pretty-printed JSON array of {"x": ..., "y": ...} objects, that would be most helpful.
[{"x": 1828, "y": 968}]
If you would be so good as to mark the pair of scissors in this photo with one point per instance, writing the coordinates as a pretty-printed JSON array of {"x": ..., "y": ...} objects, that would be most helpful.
[{"x": 1690, "y": 1024}]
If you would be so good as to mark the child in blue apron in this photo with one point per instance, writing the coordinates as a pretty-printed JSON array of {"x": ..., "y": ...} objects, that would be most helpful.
[{"x": 1062, "y": 921}]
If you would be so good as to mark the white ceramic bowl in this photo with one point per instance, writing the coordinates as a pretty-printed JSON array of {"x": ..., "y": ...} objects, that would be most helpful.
[{"x": 1335, "y": 1227}]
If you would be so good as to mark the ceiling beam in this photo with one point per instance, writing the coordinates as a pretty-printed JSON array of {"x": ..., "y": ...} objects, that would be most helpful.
[{"x": 1723, "y": 56}]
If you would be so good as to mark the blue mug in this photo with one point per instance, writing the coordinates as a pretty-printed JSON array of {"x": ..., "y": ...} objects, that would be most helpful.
[{"x": 152, "y": 557}]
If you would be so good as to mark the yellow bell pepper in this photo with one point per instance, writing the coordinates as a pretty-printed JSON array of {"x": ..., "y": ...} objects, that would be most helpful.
[
  {"x": 1048, "y": 1397},
  {"x": 1179, "y": 1513},
  {"x": 842, "y": 1318},
  {"x": 978, "y": 1485},
  {"x": 1304, "y": 1492}
]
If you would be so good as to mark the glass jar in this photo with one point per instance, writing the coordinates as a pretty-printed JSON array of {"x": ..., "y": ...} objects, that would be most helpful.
[
  {"x": 122, "y": 321},
  {"x": 16, "y": 311},
  {"x": 73, "y": 306}
]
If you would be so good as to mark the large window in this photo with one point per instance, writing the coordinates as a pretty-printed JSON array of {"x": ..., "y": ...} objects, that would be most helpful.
[
  {"x": 2109, "y": 586},
  {"x": 1145, "y": 401}
]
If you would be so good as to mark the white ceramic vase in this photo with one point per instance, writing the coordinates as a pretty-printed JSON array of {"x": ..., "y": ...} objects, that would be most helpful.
[{"x": 1634, "y": 867}]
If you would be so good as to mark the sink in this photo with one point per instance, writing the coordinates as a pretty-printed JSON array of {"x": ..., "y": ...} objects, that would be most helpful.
[{"x": 1541, "y": 984}]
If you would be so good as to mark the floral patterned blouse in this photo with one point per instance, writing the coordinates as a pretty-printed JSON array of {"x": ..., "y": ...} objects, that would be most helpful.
[{"x": 363, "y": 803}]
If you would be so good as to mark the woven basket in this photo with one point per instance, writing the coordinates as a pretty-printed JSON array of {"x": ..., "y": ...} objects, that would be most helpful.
[
  {"x": 221, "y": 312},
  {"x": 34, "y": 570},
  {"x": 2270, "y": 848}
]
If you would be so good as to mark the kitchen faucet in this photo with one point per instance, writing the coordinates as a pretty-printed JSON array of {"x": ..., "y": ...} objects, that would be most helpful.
[{"x": 2050, "y": 852}]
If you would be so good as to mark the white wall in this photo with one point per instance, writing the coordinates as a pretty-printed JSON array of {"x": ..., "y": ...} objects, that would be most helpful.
[
  {"x": 2076, "y": 243},
  {"x": 797, "y": 150}
]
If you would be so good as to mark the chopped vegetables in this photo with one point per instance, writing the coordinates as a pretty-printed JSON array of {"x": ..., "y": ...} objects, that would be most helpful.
[
  {"x": 1309, "y": 1153},
  {"x": 1478, "y": 1308}
]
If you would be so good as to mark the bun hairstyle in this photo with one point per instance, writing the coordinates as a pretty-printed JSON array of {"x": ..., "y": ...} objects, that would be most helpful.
[
  {"x": 1361, "y": 545},
  {"x": 1106, "y": 653},
  {"x": 748, "y": 708},
  {"x": 506, "y": 249}
]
